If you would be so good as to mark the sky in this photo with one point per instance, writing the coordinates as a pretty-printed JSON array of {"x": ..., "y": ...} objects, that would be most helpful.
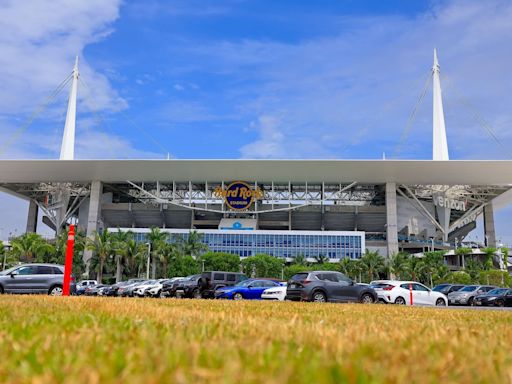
[{"x": 236, "y": 79}]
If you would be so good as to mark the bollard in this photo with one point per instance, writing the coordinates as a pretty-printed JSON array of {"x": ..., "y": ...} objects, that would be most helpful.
[{"x": 68, "y": 266}]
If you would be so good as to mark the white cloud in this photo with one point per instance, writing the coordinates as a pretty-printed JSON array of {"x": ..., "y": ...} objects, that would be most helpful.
[{"x": 38, "y": 44}]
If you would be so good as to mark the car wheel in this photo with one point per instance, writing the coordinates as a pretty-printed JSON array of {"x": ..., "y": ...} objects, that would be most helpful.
[
  {"x": 440, "y": 303},
  {"x": 470, "y": 302},
  {"x": 400, "y": 300},
  {"x": 160, "y": 294},
  {"x": 500, "y": 303},
  {"x": 238, "y": 296},
  {"x": 196, "y": 294},
  {"x": 367, "y": 299},
  {"x": 55, "y": 291},
  {"x": 319, "y": 297}
]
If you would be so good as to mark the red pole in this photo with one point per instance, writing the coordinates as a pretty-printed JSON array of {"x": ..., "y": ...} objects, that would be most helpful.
[
  {"x": 410, "y": 293},
  {"x": 68, "y": 266}
]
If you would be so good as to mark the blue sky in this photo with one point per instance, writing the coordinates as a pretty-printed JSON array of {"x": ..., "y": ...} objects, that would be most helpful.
[{"x": 255, "y": 79}]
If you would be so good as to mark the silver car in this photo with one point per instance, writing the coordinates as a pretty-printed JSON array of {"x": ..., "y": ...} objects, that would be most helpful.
[
  {"x": 466, "y": 295},
  {"x": 35, "y": 278}
]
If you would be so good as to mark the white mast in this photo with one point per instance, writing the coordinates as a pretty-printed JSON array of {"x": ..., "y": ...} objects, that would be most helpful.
[
  {"x": 67, "y": 150},
  {"x": 439, "y": 142}
]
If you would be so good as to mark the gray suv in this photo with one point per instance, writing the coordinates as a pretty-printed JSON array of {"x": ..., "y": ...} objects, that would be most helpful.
[
  {"x": 35, "y": 278},
  {"x": 324, "y": 286}
]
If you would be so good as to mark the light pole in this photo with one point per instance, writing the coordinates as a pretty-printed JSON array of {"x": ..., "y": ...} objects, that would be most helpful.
[{"x": 149, "y": 256}]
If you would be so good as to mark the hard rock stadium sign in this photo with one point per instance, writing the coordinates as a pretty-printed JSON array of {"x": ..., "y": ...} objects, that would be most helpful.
[{"x": 239, "y": 195}]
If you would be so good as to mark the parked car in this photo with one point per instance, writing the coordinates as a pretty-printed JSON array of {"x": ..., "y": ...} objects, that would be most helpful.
[
  {"x": 399, "y": 292},
  {"x": 212, "y": 280},
  {"x": 250, "y": 289},
  {"x": 92, "y": 290},
  {"x": 127, "y": 290},
  {"x": 275, "y": 293},
  {"x": 169, "y": 287},
  {"x": 189, "y": 287},
  {"x": 322, "y": 286},
  {"x": 140, "y": 290},
  {"x": 466, "y": 295},
  {"x": 448, "y": 288},
  {"x": 157, "y": 289},
  {"x": 82, "y": 285},
  {"x": 499, "y": 297},
  {"x": 35, "y": 278}
]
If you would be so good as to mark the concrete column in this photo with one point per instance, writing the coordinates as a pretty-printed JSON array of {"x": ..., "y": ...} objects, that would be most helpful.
[
  {"x": 93, "y": 216},
  {"x": 489, "y": 230},
  {"x": 391, "y": 219},
  {"x": 32, "y": 217}
]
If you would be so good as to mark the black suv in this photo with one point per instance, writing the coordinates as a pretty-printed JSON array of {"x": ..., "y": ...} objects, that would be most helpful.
[
  {"x": 188, "y": 287},
  {"x": 212, "y": 280},
  {"x": 322, "y": 286}
]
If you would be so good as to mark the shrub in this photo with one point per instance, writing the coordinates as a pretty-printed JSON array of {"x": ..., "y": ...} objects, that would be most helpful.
[{"x": 459, "y": 277}]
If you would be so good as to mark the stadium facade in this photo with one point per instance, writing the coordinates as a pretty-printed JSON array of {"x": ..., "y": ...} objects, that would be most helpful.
[{"x": 333, "y": 208}]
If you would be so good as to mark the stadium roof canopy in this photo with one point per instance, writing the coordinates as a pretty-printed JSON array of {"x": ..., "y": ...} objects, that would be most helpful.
[{"x": 453, "y": 172}]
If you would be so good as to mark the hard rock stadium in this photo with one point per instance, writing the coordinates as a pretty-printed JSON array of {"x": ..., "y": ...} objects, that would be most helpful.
[{"x": 334, "y": 208}]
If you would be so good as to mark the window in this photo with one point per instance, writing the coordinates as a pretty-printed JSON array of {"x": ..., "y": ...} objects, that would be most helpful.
[
  {"x": 44, "y": 270},
  {"x": 218, "y": 276},
  {"x": 268, "y": 283},
  {"x": 57, "y": 271},
  {"x": 342, "y": 278},
  {"x": 419, "y": 287},
  {"x": 405, "y": 286},
  {"x": 26, "y": 270},
  {"x": 230, "y": 277}
]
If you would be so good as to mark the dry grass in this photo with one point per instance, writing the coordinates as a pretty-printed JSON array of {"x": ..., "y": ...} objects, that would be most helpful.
[{"x": 100, "y": 340}]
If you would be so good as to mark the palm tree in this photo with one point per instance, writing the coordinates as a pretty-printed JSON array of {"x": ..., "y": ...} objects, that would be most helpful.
[
  {"x": 350, "y": 267},
  {"x": 157, "y": 239},
  {"x": 300, "y": 259},
  {"x": 119, "y": 240},
  {"x": 416, "y": 268},
  {"x": 30, "y": 246},
  {"x": 193, "y": 245},
  {"x": 134, "y": 255},
  {"x": 434, "y": 261},
  {"x": 168, "y": 253},
  {"x": 398, "y": 264},
  {"x": 373, "y": 264},
  {"x": 102, "y": 245},
  {"x": 321, "y": 259}
]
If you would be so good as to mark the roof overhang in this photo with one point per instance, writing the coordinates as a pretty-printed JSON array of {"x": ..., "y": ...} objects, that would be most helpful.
[{"x": 453, "y": 172}]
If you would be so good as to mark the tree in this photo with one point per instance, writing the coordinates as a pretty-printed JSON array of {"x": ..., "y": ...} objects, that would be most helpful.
[
  {"x": 372, "y": 264},
  {"x": 220, "y": 261},
  {"x": 31, "y": 246},
  {"x": 321, "y": 259},
  {"x": 193, "y": 245},
  {"x": 119, "y": 241},
  {"x": 61, "y": 243},
  {"x": 263, "y": 266},
  {"x": 157, "y": 239},
  {"x": 293, "y": 269},
  {"x": 183, "y": 265},
  {"x": 300, "y": 259},
  {"x": 102, "y": 245},
  {"x": 459, "y": 277},
  {"x": 434, "y": 266},
  {"x": 168, "y": 253},
  {"x": 398, "y": 264},
  {"x": 488, "y": 258},
  {"x": 416, "y": 269},
  {"x": 134, "y": 255}
]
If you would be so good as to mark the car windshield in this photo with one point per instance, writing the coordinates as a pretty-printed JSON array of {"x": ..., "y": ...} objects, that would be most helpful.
[
  {"x": 244, "y": 283},
  {"x": 469, "y": 288},
  {"x": 440, "y": 287},
  {"x": 497, "y": 291},
  {"x": 7, "y": 271}
]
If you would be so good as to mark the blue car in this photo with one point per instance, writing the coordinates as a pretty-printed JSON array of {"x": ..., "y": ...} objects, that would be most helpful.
[{"x": 250, "y": 289}]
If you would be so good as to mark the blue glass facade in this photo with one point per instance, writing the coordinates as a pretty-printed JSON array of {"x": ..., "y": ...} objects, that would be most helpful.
[{"x": 334, "y": 245}]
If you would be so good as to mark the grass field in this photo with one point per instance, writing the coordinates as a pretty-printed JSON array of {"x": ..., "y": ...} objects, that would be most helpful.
[{"x": 99, "y": 340}]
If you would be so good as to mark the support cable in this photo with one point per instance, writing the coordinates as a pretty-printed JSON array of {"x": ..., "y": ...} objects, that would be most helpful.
[
  {"x": 412, "y": 116},
  {"x": 484, "y": 124},
  {"x": 138, "y": 128},
  {"x": 37, "y": 111}
]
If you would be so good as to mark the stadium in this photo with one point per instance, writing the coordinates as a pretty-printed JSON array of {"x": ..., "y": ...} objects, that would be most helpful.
[{"x": 285, "y": 208}]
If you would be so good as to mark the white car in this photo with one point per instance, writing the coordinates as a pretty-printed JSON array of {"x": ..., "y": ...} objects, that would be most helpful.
[
  {"x": 156, "y": 290},
  {"x": 275, "y": 293},
  {"x": 140, "y": 290},
  {"x": 399, "y": 292}
]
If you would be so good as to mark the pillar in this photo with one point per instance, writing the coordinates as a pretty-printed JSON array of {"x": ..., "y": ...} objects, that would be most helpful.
[
  {"x": 32, "y": 217},
  {"x": 391, "y": 219},
  {"x": 489, "y": 230},
  {"x": 93, "y": 216}
]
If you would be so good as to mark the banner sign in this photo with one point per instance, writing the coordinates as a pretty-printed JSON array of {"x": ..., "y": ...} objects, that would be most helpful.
[{"x": 238, "y": 195}]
